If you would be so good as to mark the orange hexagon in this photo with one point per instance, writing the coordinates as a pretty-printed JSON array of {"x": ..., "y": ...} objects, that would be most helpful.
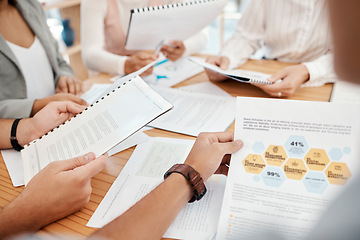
[
  {"x": 338, "y": 173},
  {"x": 254, "y": 163},
  {"x": 316, "y": 159},
  {"x": 295, "y": 168},
  {"x": 275, "y": 155}
]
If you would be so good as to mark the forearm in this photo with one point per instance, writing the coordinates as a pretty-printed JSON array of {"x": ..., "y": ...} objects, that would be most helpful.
[
  {"x": 151, "y": 216},
  {"x": 100, "y": 60},
  {"x": 17, "y": 218},
  {"x": 24, "y": 132},
  {"x": 5, "y": 133}
]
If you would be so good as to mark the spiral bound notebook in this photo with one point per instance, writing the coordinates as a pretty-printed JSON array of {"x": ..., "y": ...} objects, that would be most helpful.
[
  {"x": 102, "y": 125},
  {"x": 237, "y": 74},
  {"x": 149, "y": 26}
]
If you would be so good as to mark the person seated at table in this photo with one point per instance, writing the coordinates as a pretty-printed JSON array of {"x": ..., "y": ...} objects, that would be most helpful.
[
  {"x": 103, "y": 33},
  {"x": 63, "y": 187},
  {"x": 32, "y": 69},
  {"x": 291, "y": 31},
  {"x": 151, "y": 216}
]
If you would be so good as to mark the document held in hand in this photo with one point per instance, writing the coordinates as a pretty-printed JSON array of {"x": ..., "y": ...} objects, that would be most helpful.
[
  {"x": 101, "y": 126},
  {"x": 239, "y": 75},
  {"x": 151, "y": 25},
  {"x": 297, "y": 157}
]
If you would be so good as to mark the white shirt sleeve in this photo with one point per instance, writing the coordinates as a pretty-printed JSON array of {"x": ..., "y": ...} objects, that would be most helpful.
[
  {"x": 94, "y": 55},
  {"x": 321, "y": 71},
  {"x": 250, "y": 31},
  {"x": 196, "y": 43}
]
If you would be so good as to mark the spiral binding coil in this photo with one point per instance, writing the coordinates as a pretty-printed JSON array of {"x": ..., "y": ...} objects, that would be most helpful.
[
  {"x": 58, "y": 127},
  {"x": 259, "y": 81},
  {"x": 155, "y": 8}
]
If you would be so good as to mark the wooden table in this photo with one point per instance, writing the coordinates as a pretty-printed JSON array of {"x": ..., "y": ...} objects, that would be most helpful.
[{"x": 75, "y": 223}]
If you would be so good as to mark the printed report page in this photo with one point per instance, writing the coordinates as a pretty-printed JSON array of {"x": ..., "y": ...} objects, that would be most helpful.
[
  {"x": 98, "y": 128},
  {"x": 297, "y": 157}
]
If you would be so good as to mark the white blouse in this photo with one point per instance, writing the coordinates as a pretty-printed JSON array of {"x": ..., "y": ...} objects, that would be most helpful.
[
  {"x": 289, "y": 30},
  {"x": 36, "y": 68}
]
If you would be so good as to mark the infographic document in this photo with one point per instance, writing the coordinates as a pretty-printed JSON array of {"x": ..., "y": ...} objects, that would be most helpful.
[{"x": 297, "y": 157}]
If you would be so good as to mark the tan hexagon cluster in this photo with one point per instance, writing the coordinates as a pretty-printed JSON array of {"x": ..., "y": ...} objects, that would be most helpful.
[{"x": 315, "y": 159}]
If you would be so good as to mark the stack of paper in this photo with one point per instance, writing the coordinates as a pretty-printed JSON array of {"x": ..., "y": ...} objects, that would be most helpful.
[{"x": 143, "y": 172}]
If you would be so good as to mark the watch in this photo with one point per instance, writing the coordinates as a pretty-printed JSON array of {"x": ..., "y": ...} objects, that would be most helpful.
[{"x": 193, "y": 177}]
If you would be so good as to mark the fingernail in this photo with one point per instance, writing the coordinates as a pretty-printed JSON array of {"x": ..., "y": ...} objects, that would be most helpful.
[
  {"x": 89, "y": 156},
  {"x": 239, "y": 142}
]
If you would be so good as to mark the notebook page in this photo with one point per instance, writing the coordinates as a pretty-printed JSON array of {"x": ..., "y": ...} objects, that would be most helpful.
[{"x": 102, "y": 126}]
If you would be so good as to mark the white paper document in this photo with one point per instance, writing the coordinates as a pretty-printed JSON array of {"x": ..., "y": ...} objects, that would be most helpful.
[
  {"x": 95, "y": 92},
  {"x": 195, "y": 112},
  {"x": 143, "y": 172},
  {"x": 131, "y": 141},
  {"x": 150, "y": 25},
  {"x": 239, "y": 75},
  {"x": 297, "y": 157},
  {"x": 98, "y": 128},
  {"x": 14, "y": 165},
  {"x": 168, "y": 73},
  {"x": 206, "y": 87},
  {"x": 345, "y": 92}
]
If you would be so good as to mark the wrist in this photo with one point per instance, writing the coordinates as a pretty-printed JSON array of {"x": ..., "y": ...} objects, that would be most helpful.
[
  {"x": 306, "y": 73},
  {"x": 38, "y": 104},
  {"x": 25, "y": 132},
  {"x": 127, "y": 66},
  {"x": 193, "y": 178}
]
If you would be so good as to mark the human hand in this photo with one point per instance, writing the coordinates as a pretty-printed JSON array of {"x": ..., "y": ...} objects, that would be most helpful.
[
  {"x": 174, "y": 51},
  {"x": 139, "y": 60},
  {"x": 41, "y": 103},
  {"x": 60, "y": 189},
  {"x": 292, "y": 77},
  {"x": 51, "y": 116},
  {"x": 219, "y": 61},
  {"x": 211, "y": 153},
  {"x": 68, "y": 84}
]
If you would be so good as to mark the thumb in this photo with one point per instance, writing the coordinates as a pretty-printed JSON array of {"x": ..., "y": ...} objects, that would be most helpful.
[
  {"x": 224, "y": 63},
  {"x": 278, "y": 76},
  {"x": 93, "y": 167},
  {"x": 76, "y": 162},
  {"x": 231, "y": 147}
]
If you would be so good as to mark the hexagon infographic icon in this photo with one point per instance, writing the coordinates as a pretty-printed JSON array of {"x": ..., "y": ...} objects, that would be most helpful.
[
  {"x": 315, "y": 182},
  {"x": 258, "y": 147},
  {"x": 316, "y": 159},
  {"x": 338, "y": 173},
  {"x": 296, "y": 146},
  {"x": 273, "y": 176},
  {"x": 335, "y": 154},
  {"x": 254, "y": 163},
  {"x": 294, "y": 168},
  {"x": 275, "y": 155}
]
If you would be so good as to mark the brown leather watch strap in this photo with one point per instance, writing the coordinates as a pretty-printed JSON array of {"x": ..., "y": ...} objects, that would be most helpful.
[{"x": 193, "y": 177}]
